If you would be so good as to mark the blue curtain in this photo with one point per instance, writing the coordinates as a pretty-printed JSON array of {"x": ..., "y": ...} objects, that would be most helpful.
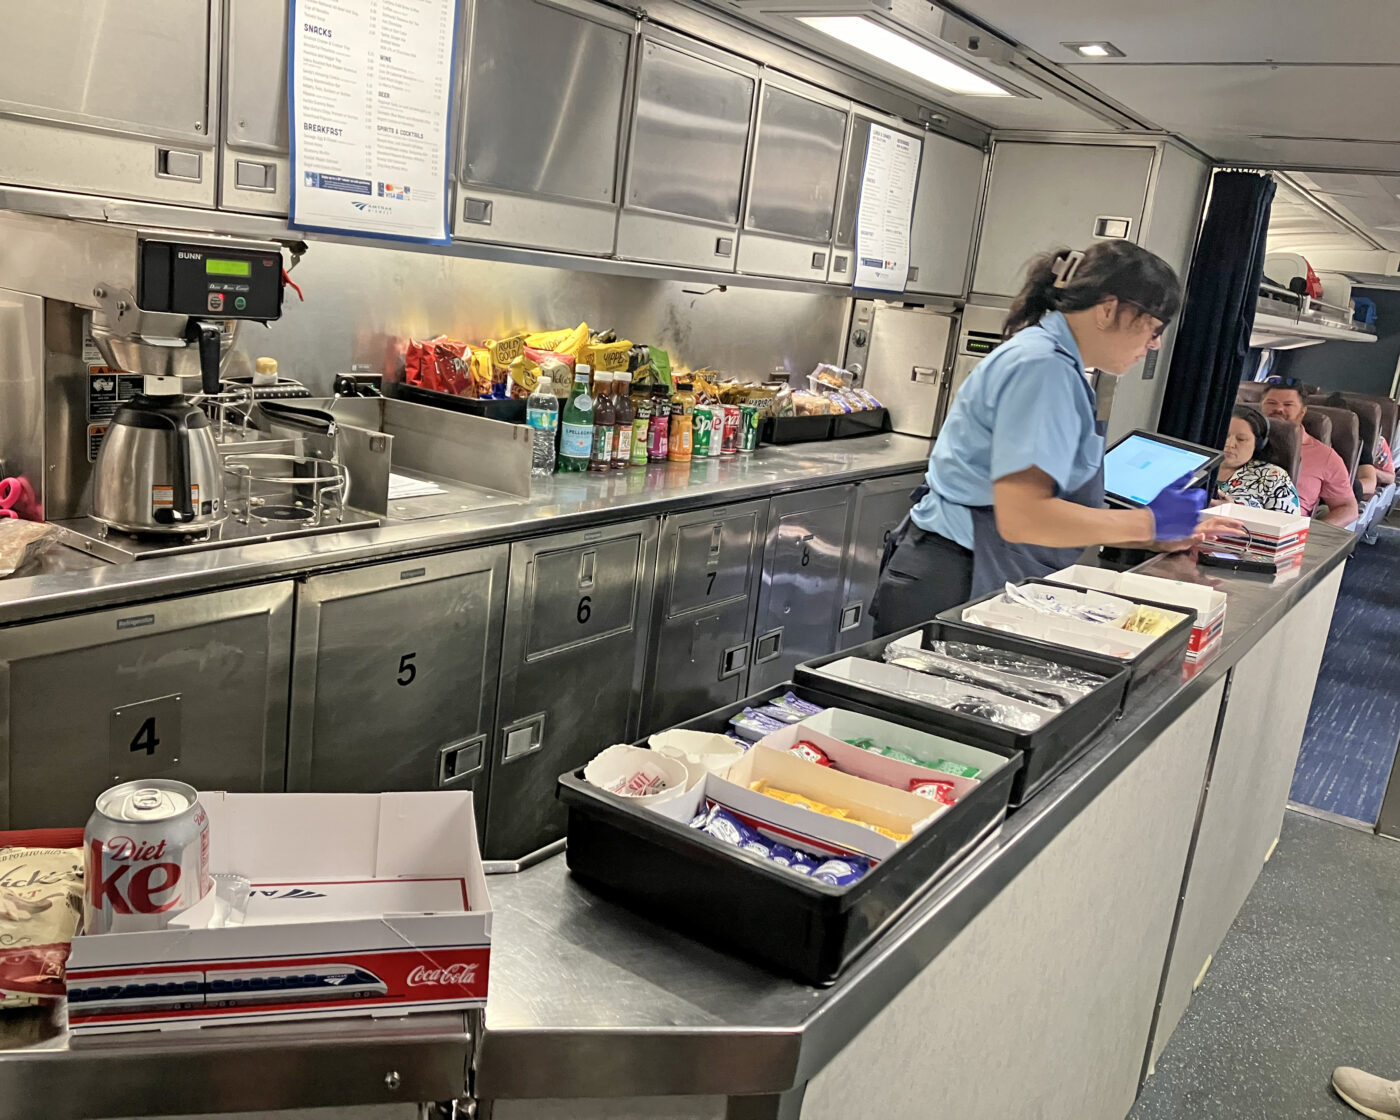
[{"x": 1212, "y": 346}]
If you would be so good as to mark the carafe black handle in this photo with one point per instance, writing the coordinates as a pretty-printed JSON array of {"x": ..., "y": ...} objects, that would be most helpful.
[
  {"x": 207, "y": 336},
  {"x": 181, "y": 511}
]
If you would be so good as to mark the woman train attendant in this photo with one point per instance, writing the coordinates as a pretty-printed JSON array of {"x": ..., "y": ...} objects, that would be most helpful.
[{"x": 1015, "y": 481}]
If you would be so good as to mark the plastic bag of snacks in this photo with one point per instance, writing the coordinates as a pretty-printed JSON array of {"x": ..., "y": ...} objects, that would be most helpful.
[
  {"x": 41, "y": 904},
  {"x": 570, "y": 341},
  {"x": 826, "y": 378}
]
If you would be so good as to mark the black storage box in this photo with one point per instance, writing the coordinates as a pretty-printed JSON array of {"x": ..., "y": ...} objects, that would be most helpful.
[
  {"x": 868, "y": 423},
  {"x": 1167, "y": 652},
  {"x": 1047, "y": 750},
  {"x": 508, "y": 411},
  {"x": 742, "y": 903},
  {"x": 795, "y": 429}
]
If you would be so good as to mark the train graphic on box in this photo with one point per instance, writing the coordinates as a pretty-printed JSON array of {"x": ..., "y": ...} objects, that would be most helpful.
[{"x": 184, "y": 991}]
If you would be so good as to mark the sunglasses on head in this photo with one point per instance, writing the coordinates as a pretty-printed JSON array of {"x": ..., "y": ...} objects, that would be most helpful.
[
  {"x": 1161, "y": 327},
  {"x": 1285, "y": 383}
]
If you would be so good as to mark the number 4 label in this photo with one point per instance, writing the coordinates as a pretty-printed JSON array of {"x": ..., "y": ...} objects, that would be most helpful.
[{"x": 145, "y": 738}]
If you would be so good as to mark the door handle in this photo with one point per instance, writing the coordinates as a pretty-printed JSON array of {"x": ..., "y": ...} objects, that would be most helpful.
[
  {"x": 587, "y": 566},
  {"x": 768, "y": 646},
  {"x": 925, "y": 375},
  {"x": 716, "y": 539},
  {"x": 851, "y": 615},
  {"x": 458, "y": 762},
  {"x": 735, "y": 660},
  {"x": 523, "y": 738}
]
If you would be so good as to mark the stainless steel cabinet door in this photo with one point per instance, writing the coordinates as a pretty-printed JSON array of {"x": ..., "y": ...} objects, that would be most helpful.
[
  {"x": 707, "y": 577},
  {"x": 945, "y": 216},
  {"x": 1043, "y": 196},
  {"x": 880, "y": 505},
  {"x": 794, "y": 178},
  {"x": 690, "y": 140},
  {"x": 110, "y": 97},
  {"x": 542, "y": 123},
  {"x": 193, "y": 689},
  {"x": 255, "y": 154},
  {"x": 394, "y": 679},
  {"x": 803, "y": 565},
  {"x": 572, "y": 663}
]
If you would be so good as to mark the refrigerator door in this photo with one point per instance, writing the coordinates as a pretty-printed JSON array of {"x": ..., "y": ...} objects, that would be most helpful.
[{"x": 908, "y": 366}]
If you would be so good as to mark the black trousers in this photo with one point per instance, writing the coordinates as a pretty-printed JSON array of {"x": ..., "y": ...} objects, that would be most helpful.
[{"x": 926, "y": 575}]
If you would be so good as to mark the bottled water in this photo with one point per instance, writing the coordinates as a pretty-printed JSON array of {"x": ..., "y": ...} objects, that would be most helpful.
[{"x": 542, "y": 415}]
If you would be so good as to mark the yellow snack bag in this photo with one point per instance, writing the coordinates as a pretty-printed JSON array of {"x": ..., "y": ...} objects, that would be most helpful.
[
  {"x": 569, "y": 341},
  {"x": 524, "y": 377},
  {"x": 608, "y": 357},
  {"x": 506, "y": 350},
  {"x": 482, "y": 371}
]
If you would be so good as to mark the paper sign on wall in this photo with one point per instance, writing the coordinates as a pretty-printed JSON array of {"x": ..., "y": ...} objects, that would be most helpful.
[
  {"x": 886, "y": 209},
  {"x": 370, "y": 87}
]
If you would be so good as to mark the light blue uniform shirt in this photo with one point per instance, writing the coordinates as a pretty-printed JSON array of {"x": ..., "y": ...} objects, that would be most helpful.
[{"x": 1024, "y": 406}]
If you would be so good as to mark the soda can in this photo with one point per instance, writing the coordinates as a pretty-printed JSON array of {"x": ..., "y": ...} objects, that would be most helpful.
[
  {"x": 730, "y": 443},
  {"x": 716, "y": 431},
  {"x": 703, "y": 425},
  {"x": 146, "y": 856},
  {"x": 748, "y": 428}
]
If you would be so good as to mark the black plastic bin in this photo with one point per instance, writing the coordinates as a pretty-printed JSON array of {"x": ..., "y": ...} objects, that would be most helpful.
[
  {"x": 742, "y": 903},
  {"x": 507, "y": 411},
  {"x": 795, "y": 429},
  {"x": 1167, "y": 652},
  {"x": 868, "y": 423},
  {"x": 1047, "y": 750}
]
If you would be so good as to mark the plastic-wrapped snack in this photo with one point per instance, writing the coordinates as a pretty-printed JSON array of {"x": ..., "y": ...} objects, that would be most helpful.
[
  {"x": 781, "y": 714},
  {"x": 841, "y": 872},
  {"x": 826, "y": 377},
  {"x": 810, "y": 752},
  {"x": 1150, "y": 620},
  {"x": 794, "y": 703},
  {"x": 943, "y": 765},
  {"x": 720, "y": 823},
  {"x": 940, "y": 790},
  {"x": 754, "y": 725},
  {"x": 41, "y": 901},
  {"x": 1098, "y": 608},
  {"x": 1034, "y": 670},
  {"x": 811, "y": 404},
  {"x": 949, "y": 668}
]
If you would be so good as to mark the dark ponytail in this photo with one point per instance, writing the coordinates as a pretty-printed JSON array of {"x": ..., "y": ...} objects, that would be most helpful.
[{"x": 1074, "y": 281}]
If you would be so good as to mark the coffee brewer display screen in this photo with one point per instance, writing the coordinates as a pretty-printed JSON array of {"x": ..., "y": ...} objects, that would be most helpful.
[{"x": 215, "y": 282}]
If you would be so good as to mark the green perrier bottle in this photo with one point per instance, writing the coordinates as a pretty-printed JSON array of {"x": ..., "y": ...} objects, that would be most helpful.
[{"x": 576, "y": 425}]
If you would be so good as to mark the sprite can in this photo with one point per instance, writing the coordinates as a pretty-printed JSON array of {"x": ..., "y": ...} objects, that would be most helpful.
[
  {"x": 748, "y": 428},
  {"x": 704, "y": 428}
]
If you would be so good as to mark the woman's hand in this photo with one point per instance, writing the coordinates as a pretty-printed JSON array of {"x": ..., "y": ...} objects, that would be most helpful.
[{"x": 1214, "y": 527}]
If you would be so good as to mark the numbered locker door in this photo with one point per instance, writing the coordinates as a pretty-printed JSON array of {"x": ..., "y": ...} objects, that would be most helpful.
[
  {"x": 255, "y": 161},
  {"x": 193, "y": 689},
  {"x": 880, "y": 505},
  {"x": 394, "y": 682},
  {"x": 572, "y": 663},
  {"x": 803, "y": 565},
  {"x": 708, "y": 571}
]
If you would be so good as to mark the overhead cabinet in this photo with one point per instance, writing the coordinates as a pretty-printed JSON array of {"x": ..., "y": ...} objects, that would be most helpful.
[
  {"x": 254, "y": 140},
  {"x": 945, "y": 216},
  {"x": 1049, "y": 196},
  {"x": 545, "y": 102},
  {"x": 691, "y": 124},
  {"x": 794, "y": 179},
  {"x": 112, "y": 99}
]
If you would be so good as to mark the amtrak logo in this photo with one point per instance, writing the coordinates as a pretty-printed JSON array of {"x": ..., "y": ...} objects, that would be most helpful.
[{"x": 371, "y": 208}]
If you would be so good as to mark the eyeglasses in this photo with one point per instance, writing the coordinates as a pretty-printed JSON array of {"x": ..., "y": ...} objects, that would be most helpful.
[{"x": 1162, "y": 325}]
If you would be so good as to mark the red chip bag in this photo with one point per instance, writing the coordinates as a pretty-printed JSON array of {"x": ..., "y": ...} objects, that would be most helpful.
[{"x": 41, "y": 902}]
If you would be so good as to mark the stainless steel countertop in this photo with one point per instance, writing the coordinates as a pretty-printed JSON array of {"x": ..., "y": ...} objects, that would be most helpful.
[
  {"x": 556, "y": 504},
  {"x": 590, "y": 1000}
]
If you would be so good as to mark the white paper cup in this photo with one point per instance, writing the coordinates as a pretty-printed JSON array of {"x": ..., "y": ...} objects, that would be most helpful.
[
  {"x": 703, "y": 752},
  {"x": 643, "y": 776}
]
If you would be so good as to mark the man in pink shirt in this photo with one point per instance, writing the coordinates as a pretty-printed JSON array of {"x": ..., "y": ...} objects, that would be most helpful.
[{"x": 1322, "y": 476}]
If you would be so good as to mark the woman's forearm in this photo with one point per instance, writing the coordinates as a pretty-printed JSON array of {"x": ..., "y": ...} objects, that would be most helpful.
[{"x": 1056, "y": 523}]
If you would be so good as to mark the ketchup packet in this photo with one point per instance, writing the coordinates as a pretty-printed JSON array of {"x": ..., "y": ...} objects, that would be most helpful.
[
  {"x": 935, "y": 789},
  {"x": 41, "y": 904},
  {"x": 810, "y": 752}
]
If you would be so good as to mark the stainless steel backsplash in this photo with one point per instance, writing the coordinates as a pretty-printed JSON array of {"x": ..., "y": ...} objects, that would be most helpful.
[{"x": 364, "y": 303}]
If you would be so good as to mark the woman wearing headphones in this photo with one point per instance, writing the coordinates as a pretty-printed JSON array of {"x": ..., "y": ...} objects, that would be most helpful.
[
  {"x": 1015, "y": 482},
  {"x": 1254, "y": 473}
]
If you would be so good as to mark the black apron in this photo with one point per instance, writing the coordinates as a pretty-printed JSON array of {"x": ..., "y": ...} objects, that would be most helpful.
[{"x": 995, "y": 560}]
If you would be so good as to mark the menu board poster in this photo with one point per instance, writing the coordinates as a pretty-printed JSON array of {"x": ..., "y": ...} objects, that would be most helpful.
[
  {"x": 886, "y": 209},
  {"x": 369, "y": 87}
]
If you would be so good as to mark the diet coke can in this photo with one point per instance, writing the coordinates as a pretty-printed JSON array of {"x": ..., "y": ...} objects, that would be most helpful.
[{"x": 146, "y": 856}]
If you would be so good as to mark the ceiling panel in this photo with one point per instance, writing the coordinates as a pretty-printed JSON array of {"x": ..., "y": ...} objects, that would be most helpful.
[
  {"x": 1333, "y": 102},
  {"x": 1370, "y": 201},
  {"x": 1203, "y": 30},
  {"x": 1297, "y": 225}
]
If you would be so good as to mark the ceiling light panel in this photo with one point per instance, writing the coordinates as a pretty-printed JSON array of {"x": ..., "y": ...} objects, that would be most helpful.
[
  {"x": 1098, "y": 49},
  {"x": 880, "y": 42}
]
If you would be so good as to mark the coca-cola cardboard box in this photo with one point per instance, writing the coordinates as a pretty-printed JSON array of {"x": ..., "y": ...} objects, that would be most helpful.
[{"x": 359, "y": 904}]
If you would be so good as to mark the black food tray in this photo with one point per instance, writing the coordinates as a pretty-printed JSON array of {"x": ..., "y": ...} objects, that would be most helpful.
[
  {"x": 507, "y": 411},
  {"x": 796, "y": 429},
  {"x": 1047, "y": 750},
  {"x": 867, "y": 423},
  {"x": 740, "y": 902},
  {"x": 1168, "y": 651}
]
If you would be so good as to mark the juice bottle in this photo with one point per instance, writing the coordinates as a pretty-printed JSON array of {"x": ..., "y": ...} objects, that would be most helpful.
[
  {"x": 641, "y": 424},
  {"x": 604, "y": 421},
  {"x": 682, "y": 417},
  {"x": 623, "y": 417},
  {"x": 659, "y": 440},
  {"x": 576, "y": 426}
]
